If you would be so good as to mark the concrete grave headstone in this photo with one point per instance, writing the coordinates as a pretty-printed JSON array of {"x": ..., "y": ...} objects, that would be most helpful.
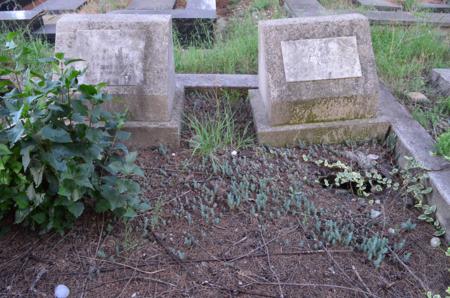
[
  {"x": 315, "y": 70},
  {"x": 133, "y": 54}
]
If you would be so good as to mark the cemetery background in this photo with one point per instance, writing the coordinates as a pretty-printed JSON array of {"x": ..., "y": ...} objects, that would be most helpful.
[{"x": 199, "y": 202}]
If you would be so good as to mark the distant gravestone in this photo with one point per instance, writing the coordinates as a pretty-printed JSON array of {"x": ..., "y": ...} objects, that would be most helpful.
[
  {"x": 133, "y": 54},
  {"x": 318, "y": 69}
]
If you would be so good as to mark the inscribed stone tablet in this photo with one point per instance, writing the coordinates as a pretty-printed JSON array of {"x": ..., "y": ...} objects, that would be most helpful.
[
  {"x": 114, "y": 56},
  {"x": 321, "y": 59}
]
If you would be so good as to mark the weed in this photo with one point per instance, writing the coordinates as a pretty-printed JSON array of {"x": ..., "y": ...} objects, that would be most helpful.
[
  {"x": 404, "y": 55},
  {"x": 233, "y": 51},
  {"x": 443, "y": 145},
  {"x": 214, "y": 133}
]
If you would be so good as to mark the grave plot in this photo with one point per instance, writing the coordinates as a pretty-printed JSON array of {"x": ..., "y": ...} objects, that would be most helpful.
[
  {"x": 258, "y": 221},
  {"x": 205, "y": 209}
]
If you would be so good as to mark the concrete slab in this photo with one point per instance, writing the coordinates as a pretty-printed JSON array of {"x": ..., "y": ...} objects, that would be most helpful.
[
  {"x": 435, "y": 7},
  {"x": 412, "y": 139},
  {"x": 217, "y": 81},
  {"x": 201, "y": 4},
  {"x": 314, "y": 133},
  {"x": 407, "y": 18},
  {"x": 441, "y": 79},
  {"x": 380, "y": 5},
  {"x": 440, "y": 182},
  {"x": 151, "y": 4},
  {"x": 151, "y": 134},
  {"x": 60, "y": 6},
  {"x": 19, "y": 19}
]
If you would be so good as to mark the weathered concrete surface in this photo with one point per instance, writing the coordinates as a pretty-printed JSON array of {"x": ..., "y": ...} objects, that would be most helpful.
[
  {"x": 315, "y": 100},
  {"x": 440, "y": 182},
  {"x": 20, "y": 19},
  {"x": 441, "y": 79},
  {"x": 152, "y": 4},
  {"x": 412, "y": 139},
  {"x": 133, "y": 54},
  {"x": 201, "y": 4},
  {"x": 303, "y": 7},
  {"x": 435, "y": 7},
  {"x": 407, "y": 18},
  {"x": 321, "y": 59},
  {"x": 60, "y": 6},
  {"x": 217, "y": 81},
  {"x": 380, "y": 4},
  {"x": 151, "y": 134},
  {"x": 314, "y": 133}
]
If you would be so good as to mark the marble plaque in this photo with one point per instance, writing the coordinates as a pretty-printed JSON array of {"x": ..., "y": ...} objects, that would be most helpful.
[
  {"x": 321, "y": 59},
  {"x": 114, "y": 56}
]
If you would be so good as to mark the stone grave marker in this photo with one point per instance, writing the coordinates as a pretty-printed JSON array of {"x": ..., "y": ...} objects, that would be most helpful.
[
  {"x": 133, "y": 54},
  {"x": 315, "y": 74}
]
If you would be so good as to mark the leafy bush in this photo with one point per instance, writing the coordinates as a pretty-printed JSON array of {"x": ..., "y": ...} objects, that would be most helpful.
[
  {"x": 60, "y": 151},
  {"x": 443, "y": 145}
]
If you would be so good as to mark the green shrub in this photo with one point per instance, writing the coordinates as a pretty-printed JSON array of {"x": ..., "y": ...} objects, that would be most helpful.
[
  {"x": 443, "y": 145},
  {"x": 60, "y": 151}
]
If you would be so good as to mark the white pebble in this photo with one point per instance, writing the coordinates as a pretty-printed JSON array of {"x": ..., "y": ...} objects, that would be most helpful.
[
  {"x": 377, "y": 202},
  {"x": 435, "y": 242},
  {"x": 173, "y": 154},
  {"x": 233, "y": 153},
  {"x": 62, "y": 291},
  {"x": 374, "y": 213},
  {"x": 134, "y": 295},
  {"x": 391, "y": 231}
]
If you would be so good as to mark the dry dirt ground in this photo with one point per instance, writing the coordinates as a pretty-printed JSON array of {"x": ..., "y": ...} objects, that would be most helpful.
[{"x": 256, "y": 224}]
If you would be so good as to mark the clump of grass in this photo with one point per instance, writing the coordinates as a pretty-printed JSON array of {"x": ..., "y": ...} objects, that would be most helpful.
[
  {"x": 103, "y": 6},
  {"x": 337, "y": 4},
  {"x": 213, "y": 133},
  {"x": 405, "y": 55},
  {"x": 235, "y": 50},
  {"x": 35, "y": 47},
  {"x": 443, "y": 145}
]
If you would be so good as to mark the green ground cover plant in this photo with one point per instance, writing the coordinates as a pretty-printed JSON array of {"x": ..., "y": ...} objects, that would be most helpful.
[{"x": 60, "y": 151}]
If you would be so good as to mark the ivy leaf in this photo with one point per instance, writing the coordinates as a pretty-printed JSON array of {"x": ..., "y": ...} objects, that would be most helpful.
[
  {"x": 76, "y": 208},
  {"x": 39, "y": 218},
  {"x": 37, "y": 173},
  {"x": 57, "y": 135},
  {"x": 15, "y": 133},
  {"x": 4, "y": 150},
  {"x": 25, "y": 152}
]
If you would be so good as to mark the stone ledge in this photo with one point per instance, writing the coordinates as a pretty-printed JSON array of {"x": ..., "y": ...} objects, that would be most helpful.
[
  {"x": 152, "y": 134},
  {"x": 441, "y": 78},
  {"x": 217, "y": 81},
  {"x": 313, "y": 133},
  {"x": 380, "y": 4}
]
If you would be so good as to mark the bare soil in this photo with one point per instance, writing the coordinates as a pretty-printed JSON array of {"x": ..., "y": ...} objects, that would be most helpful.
[{"x": 192, "y": 243}]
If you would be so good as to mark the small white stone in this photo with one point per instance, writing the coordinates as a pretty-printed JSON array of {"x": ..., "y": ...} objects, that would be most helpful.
[
  {"x": 373, "y": 156},
  {"x": 233, "y": 153},
  {"x": 435, "y": 242},
  {"x": 134, "y": 295},
  {"x": 374, "y": 213},
  {"x": 62, "y": 291},
  {"x": 391, "y": 231},
  {"x": 377, "y": 202},
  {"x": 173, "y": 154},
  {"x": 240, "y": 283}
]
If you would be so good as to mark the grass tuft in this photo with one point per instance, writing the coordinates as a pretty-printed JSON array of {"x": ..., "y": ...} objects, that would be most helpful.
[
  {"x": 443, "y": 145},
  {"x": 405, "y": 56},
  {"x": 219, "y": 132}
]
